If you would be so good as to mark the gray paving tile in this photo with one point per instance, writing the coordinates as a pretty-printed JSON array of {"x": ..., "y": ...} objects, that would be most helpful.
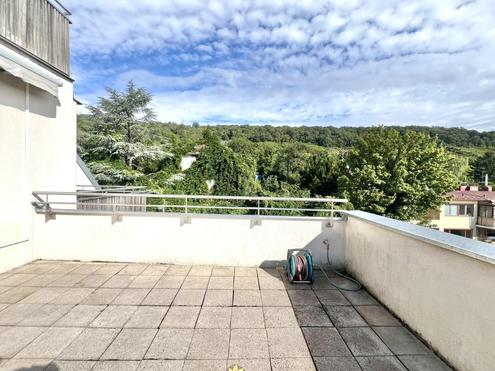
[
  {"x": 196, "y": 282},
  {"x": 68, "y": 280},
  {"x": 155, "y": 270},
  {"x": 43, "y": 295},
  {"x": 17, "y": 279},
  {"x": 101, "y": 296},
  {"x": 248, "y": 343},
  {"x": 64, "y": 268},
  {"x": 87, "y": 268},
  {"x": 360, "y": 297},
  {"x": 223, "y": 271},
  {"x": 268, "y": 272},
  {"x": 50, "y": 343},
  {"x": 16, "y": 294},
  {"x": 73, "y": 295},
  {"x": 170, "y": 344},
  {"x": 160, "y": 297},
  {"x": 80, "y": 316},
  {"x": 303, "y": 297},
  {"x": 205, "y": 365},
  {"x": 401, "y": 341},
  {"x": 271, "y": 283},
  {"x": 246, "y": 283},
  {"x": 90, "y": 344},
  {"x": 70, "y": 365},
  {"x": 214, "y": 317},
  {"x": 178, "y": 270},
  {"x": 133, "y": 269},
  {"x": 46, "y": 315},
  {"x": 221, "y": 283},
  {"x": 161, "y": 365},
  {"x": 170, "y": 282},
  {"x": 248, "y": 298},
  {"x": 275, "y": 298},
  {"x": 116, "y": 365},
  {"x": 119, "y": 281},
  {"x": 189, "y": 297},
  {"x": 26, "y": 364},
  {"x": 245, "y": 272},
  {"x": 250, "y": 364},
  {"x": 424, "y": 363},
  {"x": 312, "y": 316},
  {"x": 114, "y": 316},
  {"x": 131, "y": 297},
  {"x": 110, "y": 269},
  {"x": 336, "y": 364},
  {"x": 341, "y": 282},
  {"x": 209, "y": 344},
  {"x": 247, "y": 317},
  {"x": 286, "y": 343},
  {"x": 218, "y": 298},
  {"x": 389, "y": 363},
  {"x": 42, "y": 280},
  {"x": 362, "y": 341},
  {"x": 279, "y": 317},
  {"x": 144, "y": 282},
  {"x": 198, "y": 270},
  {"x": 13, "y": 339},
  {"x": 376, "y": 315},
  {"x": 325, "y": 342},
  {"x": 181, "y": 317},
  {"x": 16, "y": 313},
  {"x": 94, "y": 280},
  {"x": 147, "y": 317},
  {"x": 300, "y": 364},
  {"x": 130, "y": 344},
  {"x": 344, "y": 316},
  {"x": 331, "y": 297}
]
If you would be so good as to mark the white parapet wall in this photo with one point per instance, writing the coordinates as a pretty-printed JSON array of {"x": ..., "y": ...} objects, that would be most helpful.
[
  {"x": 217, "y": 240},
  {"x": 440, "y": 285}
]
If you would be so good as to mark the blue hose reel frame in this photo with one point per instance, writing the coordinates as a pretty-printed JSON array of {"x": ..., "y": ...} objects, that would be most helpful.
[{"x": 291, "y": 266}]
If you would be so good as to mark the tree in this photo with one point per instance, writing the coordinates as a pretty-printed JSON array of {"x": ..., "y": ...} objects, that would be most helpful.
[
  {"x": 120, "y": 115},
  {"x": 321, "y": 173},
  {"x": 484, "y": 165},
  {"x": 231, "y": 173},
  {"x": 397, "y": 175}
]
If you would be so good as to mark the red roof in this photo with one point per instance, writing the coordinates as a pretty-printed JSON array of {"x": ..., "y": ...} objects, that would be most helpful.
[{"x": 472, "y": 195}]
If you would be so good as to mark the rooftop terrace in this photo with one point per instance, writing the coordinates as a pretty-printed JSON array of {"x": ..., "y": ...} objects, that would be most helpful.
[
  {"x": 114, "y": 280},
  {"x": 114, "y": 316}
]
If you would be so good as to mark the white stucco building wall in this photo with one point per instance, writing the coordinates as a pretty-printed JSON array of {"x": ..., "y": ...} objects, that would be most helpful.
[{"x": 37, "y": 151}]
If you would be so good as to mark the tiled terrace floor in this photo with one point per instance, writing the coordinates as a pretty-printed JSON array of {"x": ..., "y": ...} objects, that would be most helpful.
[{"x": 103, "y": 316}]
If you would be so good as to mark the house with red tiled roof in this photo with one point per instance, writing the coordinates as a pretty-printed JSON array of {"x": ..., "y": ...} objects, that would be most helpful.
[{"x": 469, "y": 213}]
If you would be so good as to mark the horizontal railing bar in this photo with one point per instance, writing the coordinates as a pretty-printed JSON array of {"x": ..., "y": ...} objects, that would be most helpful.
[
  {"x": 199, "y": 197},
  {"x": 118, "y": 205},
  {"x": 193, "y": 215}
]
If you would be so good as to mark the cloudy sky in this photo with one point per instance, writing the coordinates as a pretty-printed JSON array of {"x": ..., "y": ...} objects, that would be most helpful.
[{"x": 334, "y": 62}]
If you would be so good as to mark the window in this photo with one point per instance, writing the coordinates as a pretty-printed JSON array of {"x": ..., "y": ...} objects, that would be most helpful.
[
  {"x": 458, "y": 210},
  {"x": 486, "y": 211}
]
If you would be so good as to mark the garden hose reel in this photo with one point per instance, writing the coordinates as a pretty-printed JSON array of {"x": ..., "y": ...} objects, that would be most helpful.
[{"x": 299, "y": 266}]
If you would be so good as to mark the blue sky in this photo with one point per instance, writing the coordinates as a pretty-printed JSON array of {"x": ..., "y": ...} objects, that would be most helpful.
[{"x": 334, "y": 62}]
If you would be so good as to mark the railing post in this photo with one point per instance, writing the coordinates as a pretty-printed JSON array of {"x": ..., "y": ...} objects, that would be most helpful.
[{"x": 258, "y": 206}]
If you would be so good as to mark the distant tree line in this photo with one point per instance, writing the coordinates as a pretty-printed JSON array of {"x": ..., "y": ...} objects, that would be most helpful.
[{"x": 397, "y": 171}]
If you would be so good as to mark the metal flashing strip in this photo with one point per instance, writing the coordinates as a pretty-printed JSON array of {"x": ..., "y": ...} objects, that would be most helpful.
[{"x": 465, "y": 246}]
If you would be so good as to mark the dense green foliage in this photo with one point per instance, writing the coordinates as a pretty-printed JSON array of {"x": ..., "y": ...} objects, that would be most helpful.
[
  {"x": 395, "y": 171},
  {"x": 399, "y": 175}
]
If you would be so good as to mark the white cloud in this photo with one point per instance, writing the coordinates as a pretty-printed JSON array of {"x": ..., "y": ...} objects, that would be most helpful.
[{"x": 302, "y": 62}]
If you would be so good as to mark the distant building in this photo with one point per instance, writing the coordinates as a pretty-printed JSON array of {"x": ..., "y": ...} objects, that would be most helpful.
[{"x": 469, "y": 213}]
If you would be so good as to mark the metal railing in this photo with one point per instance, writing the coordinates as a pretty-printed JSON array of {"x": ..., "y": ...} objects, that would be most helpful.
[{"x": 118, "y": 202}]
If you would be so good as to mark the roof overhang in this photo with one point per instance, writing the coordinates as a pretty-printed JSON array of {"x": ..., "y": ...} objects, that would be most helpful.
[{"x": 28, "y": 71}]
